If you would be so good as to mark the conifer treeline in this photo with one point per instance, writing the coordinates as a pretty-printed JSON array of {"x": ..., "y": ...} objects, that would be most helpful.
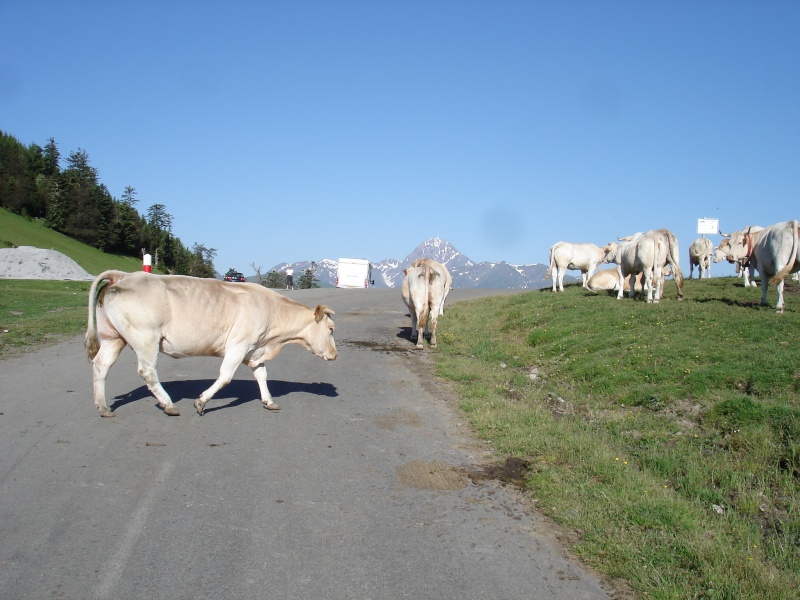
[{"x": 73, "y": 201}]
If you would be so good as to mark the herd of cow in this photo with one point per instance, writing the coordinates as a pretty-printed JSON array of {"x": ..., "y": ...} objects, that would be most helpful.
[
  {"x": 241, "y": 323},
  {"x": 646, "y": 259}
]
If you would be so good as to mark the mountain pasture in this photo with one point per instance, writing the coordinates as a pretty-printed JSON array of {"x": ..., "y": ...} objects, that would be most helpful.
[{"x": 667, "y": 437}]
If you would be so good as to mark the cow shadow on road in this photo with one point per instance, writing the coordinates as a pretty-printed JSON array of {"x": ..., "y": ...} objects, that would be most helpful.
[{"x": 238, "y": 391}]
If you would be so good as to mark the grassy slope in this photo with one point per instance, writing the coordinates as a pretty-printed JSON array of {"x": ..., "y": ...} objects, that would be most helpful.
[
  {"x": 19, "y": 231},
  {"x": 666, "y": 436},
  {"x": 35, "y": 313}
]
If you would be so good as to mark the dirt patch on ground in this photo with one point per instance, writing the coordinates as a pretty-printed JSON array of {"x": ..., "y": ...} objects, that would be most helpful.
[{"x": 431, "y": 476}]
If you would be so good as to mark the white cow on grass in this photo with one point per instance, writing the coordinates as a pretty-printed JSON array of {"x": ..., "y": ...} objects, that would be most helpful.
[
  {"x": 776, "y": 250},
  {"x": 186, "y": 316},
  {"x": 746, "y": 264},
  {"x": 423, "y": 290},
  {"x": 609, "y": 280},
  {"x": 700, "y": 252},
  {"x": 647, "y": 253},
  {"x": 575, "y": 257}
]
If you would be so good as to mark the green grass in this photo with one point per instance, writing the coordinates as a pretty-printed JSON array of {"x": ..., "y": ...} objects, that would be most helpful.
[
  {"x": 20, "y": 231},
  {"x": 38, "y": 313},
  {"x": 667, "y": 436},
  {"x": 34, "y": 313}
]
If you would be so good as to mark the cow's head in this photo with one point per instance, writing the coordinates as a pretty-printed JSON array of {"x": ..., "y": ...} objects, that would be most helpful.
[
  {"x": 721, "y": 253},
  {"x": 319, "y": 336},
  {"x": 609, "y": 252},
  {"x": 738, "y": 246}
]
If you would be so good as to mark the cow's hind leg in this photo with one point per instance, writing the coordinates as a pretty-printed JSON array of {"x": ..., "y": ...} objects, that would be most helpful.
[
  {"x": 421, "y": 330},
  {"x": 414, "y": 330},
  {"x": 147, "y": 370},
  {"x": 101, "y": 364},
  {"x": 779, "y": 303},
  {"x": 434, "y": 319},
  {"x": 260, "y": 373},
  {"x": 226, "y": 371}
]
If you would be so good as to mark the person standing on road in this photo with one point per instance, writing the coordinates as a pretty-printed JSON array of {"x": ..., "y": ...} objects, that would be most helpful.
[{"x": 289, "y": 278}]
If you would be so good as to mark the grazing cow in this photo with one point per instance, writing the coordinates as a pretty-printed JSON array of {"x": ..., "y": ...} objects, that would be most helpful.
[
  {"x": 746, "y": 265},
  {"x": 647, "y": 253},
  {"x": 700, "y": 256},
  {"x": 776, "y": 250},
  {"x": 423, "y": 292},
  {"x": 576, "y": 257},
  {"x": 448, "y": 279},
  {"x": 186, "y": 316}
]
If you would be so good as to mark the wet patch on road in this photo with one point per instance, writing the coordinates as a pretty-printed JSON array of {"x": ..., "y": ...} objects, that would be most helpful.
[
  {"x": 441, "y": 476},
  {"x": 377, "y": 346}
]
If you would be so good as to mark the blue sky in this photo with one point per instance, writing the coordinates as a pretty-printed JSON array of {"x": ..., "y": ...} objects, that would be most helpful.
[{"x": 285, "y": 131}]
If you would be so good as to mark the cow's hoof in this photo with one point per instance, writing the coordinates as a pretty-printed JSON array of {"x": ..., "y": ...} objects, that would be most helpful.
[
  {"x": 198, "y": 406},
  {"x": 433, "y": 345},
  {"x": 172, "y": 411},
  {"x": 107, "y": 413},
  {"x": 420, "y": 346},
  {"x": 272, "y": 406}
]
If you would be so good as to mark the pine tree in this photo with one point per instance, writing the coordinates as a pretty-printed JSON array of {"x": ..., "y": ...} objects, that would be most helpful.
[
  {"x": 274, "y": 280},
  {"x": 307, "y": 280}
]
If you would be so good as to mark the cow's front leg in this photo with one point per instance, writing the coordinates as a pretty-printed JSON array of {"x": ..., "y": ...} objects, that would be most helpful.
[
  {"x": 226, "y": 371},
  {"x": 260, "y": 373}
]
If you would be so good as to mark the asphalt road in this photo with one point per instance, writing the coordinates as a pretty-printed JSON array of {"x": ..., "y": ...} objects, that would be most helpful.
[{"x": 354, "y": 490}]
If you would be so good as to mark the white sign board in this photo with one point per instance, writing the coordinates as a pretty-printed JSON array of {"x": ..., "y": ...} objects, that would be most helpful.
[{"x": 708, "y": 226}]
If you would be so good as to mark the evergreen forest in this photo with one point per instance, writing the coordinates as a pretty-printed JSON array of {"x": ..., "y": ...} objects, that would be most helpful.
[{"x": 69, "y": 197}]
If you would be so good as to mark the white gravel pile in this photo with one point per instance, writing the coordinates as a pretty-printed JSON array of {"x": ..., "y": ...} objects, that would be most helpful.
[{"x": 28, "y": 262}]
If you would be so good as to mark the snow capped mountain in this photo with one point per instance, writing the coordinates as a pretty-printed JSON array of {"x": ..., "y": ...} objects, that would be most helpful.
[{"x": 466, "y": 274}]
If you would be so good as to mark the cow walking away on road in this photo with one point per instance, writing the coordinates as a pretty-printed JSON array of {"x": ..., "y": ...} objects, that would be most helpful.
[
  {"x": 186, "y": 316},
  {"x": 575, "y": 257},
  {"x": 700, "y": 252},
  {"x": 423, "y": 292},
  {"x": 776, "y": 250},
  {"x": 448, "y": 279}
]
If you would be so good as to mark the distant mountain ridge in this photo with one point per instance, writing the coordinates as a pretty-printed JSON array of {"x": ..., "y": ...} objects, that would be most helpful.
[{"x": 388, "y": 273}]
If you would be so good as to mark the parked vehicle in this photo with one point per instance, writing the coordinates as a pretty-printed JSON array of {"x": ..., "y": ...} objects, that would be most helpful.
[
  {"x": 354, "y": 273},
  {"x": 232, "y": 275}
]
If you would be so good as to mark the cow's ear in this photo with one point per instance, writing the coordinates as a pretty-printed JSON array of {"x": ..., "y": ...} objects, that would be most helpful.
[{"x": 320, "y": 311}]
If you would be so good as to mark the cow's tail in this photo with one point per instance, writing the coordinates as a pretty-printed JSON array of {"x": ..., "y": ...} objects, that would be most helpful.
[
  {"x": 552, "y": 259},
  {"x": 427, "y": 275},
  {"x": 787, "y": 268},
  {"x": 90, "y": 340},
  {"x": 673, "y": 258}
]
